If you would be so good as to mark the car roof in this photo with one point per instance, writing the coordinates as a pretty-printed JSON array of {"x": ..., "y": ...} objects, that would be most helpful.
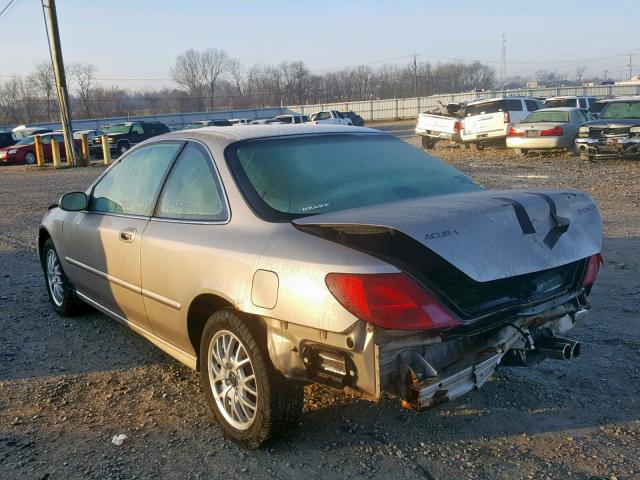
[
  {"x": 488, "y": 100},
  {"x": 558, "y": 109},
  {"x": 569, "y": 97},
  {"x": 248, "y": 132}
]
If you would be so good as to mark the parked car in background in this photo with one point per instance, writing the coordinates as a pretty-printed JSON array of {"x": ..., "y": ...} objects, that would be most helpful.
[
  {"x": 330, "y": 117},
  {"x": 208, "y": 123},
  {"x": 547, "y": 129},
  {"x": 616, "y": 132},
  {"x": 24, "y": 132},
  {"x": 122, "y": 136},
  {"x": 443, "y": 123},
  {"x": 322, "y": 254},
  {"x": 24, "y": 150},
  {"x": 356, "y": 120},
  {"x": 264, "y": 121},
  {"x": 6, "y": 139},
  {"x": 490, "y": 120},
  {"x": 573, "y": 101},
  {"x": 289, "y": 119},
  {"x": 91, "y": 135},
  {"x": 239, "y": 121},
  {"x": 596, "y": 107}
]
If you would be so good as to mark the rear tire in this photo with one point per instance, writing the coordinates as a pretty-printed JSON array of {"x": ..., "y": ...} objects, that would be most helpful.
[
  {"x": 29, "y": 158},
  {"x": 427, "y": 143},
  {"x": 250, "y": 412},
  {"x": 61, "y": 293}
]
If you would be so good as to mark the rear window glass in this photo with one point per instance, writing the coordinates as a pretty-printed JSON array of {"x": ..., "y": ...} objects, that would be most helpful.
[
  {"x": 486, "y": 108},
  {"x": 542, "y": 116},
  {"x": 560, "y": 102},
  {"x": 289, "y": 177},
  {"x": 621, "y": 110}
]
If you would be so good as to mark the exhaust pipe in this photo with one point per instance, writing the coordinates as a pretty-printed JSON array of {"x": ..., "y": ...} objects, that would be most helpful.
[{"x": 558, "y": 348}]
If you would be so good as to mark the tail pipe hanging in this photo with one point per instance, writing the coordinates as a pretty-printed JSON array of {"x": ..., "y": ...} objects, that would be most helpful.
[{"x": 558, "y": 347}]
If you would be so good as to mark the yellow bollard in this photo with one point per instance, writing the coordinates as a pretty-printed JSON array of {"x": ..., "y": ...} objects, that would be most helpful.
[
  {"x": 39, "y": 152},
  {"x": 85, "y": 149},
  {"x": 106, "y": 149},
  {"x": 55, "y": 152}
]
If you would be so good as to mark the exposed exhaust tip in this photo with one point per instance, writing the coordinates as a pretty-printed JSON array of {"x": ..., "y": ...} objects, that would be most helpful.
[{"x": 575, "y": 351}]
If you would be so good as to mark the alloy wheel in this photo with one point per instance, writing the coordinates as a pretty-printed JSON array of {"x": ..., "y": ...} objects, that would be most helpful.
[
  {"x": 54, "y": 278},
  {"x": 232, "y": 379}
]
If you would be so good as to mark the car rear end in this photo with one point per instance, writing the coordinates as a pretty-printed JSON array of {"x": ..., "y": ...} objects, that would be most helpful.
[
  {"x": 485, "y": 121},
  {"x": 411, "y": 280},
  {"x": 545, "y": 129},
  {"x": 438, "y": 127}
]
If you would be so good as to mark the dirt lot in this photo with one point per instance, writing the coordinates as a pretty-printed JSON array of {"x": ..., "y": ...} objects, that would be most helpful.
[{"x": 68, "y": 385}]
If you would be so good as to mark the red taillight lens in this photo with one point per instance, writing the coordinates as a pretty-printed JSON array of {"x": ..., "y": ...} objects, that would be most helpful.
[
  {"x": 515, "y": 132},
  {"x": 506, "y": 117},
  {"x": 552, "y": 132},
  {"x": 593, "y": 269},
  {"x": 457, "y": 126},
  {"x": 389, "y": 300}
]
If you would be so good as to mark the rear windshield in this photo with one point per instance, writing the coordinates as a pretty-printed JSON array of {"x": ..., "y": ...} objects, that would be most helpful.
[
  {"x": 621, "y": 110},
  {"x": 506, "y": 105},
  {"x": 560, "y": 102},
  {"x": 289, "y": 177},
  {"x": 542, "y": 116},
  {"x": 118, "y": 128}
]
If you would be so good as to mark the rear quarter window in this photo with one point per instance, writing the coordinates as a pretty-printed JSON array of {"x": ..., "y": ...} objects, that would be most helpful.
[
  {"x": 486, "y": 108},
  {"x": 514, "y": 105}
]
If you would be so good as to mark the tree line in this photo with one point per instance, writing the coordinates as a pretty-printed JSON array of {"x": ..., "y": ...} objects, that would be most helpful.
[{"x": 210, "y": 79}]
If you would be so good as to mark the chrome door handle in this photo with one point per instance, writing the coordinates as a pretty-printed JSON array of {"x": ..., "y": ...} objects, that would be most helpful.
[{"x": 128, "y": 234}]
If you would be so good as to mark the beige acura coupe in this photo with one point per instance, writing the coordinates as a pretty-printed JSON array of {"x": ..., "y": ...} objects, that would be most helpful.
[{"x": 271, "y": 256}]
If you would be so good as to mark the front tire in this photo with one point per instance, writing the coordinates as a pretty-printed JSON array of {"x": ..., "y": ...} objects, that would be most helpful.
[
  {"x": 61, "y": 293},
  {"x": 123, "y": 147},
  {"x": 252, "y": 402}
]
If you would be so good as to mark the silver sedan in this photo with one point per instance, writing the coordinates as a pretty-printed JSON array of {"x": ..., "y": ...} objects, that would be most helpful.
[
  {"x": 267, "y": 257},
  {"x": 546, "y": 129}
]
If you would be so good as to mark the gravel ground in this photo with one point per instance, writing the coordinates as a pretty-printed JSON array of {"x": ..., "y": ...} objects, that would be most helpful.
[{"x": 68, "y": 385}]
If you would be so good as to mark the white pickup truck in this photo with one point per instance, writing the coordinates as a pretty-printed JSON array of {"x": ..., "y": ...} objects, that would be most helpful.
[
  {"x": 490, "y": 120},
  {"x": 433, "y": 126},
  {"x": 332, "y": 117}
]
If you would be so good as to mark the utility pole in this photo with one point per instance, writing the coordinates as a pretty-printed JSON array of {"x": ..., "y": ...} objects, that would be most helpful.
[
  {"x": 61, "y": 81},
  {"x": 630, "y": 65},
  {"x": 415, "y": 76},
  {"x": 503, "y": 61},
  {"x": 605, "y": 74}
]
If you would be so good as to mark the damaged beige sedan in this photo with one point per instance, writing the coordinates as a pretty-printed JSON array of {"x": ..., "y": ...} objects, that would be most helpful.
[{"x": 268, "y": 257}]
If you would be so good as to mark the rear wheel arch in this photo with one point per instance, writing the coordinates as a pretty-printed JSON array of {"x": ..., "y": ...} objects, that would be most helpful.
[{"x": 201, "y": 308}]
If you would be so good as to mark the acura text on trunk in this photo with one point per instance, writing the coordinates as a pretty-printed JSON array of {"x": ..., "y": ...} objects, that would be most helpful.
[{"x": 268, "y": 258}]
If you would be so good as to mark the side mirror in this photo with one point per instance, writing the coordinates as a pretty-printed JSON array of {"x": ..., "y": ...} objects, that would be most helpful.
[{"x": 74, "y": 201}]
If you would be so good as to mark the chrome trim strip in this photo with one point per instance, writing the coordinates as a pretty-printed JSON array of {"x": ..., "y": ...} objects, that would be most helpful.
[
  {"x": 106, "y": 276},
  {"x": 177, "y": 353},
  {"x": 161, "y": 299}
]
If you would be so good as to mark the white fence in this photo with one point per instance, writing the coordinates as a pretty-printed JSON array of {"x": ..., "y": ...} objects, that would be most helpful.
[{"x": 370, "y": 110}]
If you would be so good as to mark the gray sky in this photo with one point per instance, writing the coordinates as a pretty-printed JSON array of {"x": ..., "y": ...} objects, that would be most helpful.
[{"x": 134, "y": 43}]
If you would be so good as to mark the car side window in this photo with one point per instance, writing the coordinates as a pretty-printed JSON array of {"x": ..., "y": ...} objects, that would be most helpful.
[
  {"x": 323, "y": 116},
  {"x": 514, "y": 105},
  {"x": 582, "y": 102},
  {"x": 192, "y": 190},
  {"x": 131, "y": 185},
  {"x": 532, "y": 105},
  {"x": 137, "y": 128}
]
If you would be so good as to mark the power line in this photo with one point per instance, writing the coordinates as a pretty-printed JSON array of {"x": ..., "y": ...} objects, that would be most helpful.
[{"x": 7, "y": 6}]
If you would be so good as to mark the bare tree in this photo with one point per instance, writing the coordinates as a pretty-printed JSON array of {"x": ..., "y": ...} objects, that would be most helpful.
[
  {"x": 236, "y": 72},
  {"x": 188, "y": 72},
  {"x": 214, "y": 63},
  {"x": 84, "y": 75},
  {"x": 44, "y": 82},
  {"x": 579, "y": 74}
]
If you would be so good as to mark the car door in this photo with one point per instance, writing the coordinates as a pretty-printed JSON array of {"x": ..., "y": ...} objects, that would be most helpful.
[
  {"x": 181, "y": 240},
  {"x": 137, "y": 133},
  {"x": 102, "y": 244}
]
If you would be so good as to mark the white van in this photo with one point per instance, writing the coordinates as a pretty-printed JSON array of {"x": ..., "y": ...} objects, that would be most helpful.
[{"x": 488, "y": 120}]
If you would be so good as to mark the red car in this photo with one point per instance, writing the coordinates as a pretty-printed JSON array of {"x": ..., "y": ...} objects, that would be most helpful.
[{"x": 24, "y": 151}]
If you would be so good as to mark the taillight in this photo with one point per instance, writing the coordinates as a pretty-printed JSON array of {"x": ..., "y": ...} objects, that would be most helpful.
[
  {"x": 505, "y": 117},
  {"x": 456, "y": 126},
  {"x": 515, "y": 132},
  {"x": 556, "y": 131},
  {"x": 593, "y": 269},
  {"x": 389, "y": 300}
]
